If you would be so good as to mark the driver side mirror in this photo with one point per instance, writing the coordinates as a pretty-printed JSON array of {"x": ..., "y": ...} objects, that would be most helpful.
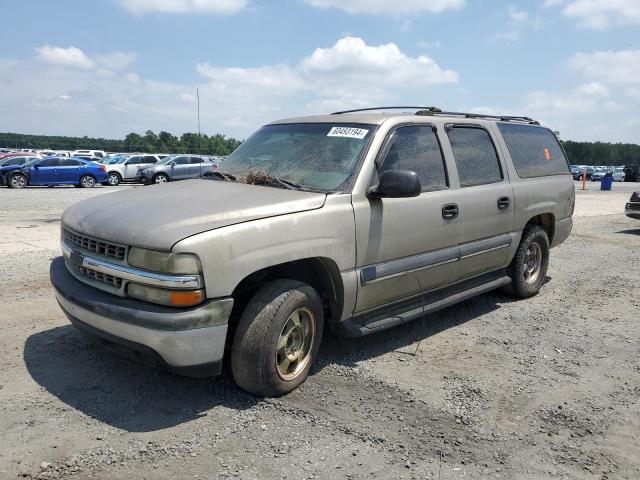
[
  {"x": 172, "y": 163},
  {"x": 396, "y": 184}
]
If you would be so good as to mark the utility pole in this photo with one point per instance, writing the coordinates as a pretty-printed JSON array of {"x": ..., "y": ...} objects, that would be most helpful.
[{"x": 199, "y": 138}]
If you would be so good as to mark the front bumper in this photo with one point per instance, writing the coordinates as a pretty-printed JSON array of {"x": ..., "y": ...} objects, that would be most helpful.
[
  {"x": 632, "y": 210},
  {"x": 190, "y": 341}
]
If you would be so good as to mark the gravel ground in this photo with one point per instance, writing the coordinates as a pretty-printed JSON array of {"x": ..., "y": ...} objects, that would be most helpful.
[{"x": 492, "y": 388}]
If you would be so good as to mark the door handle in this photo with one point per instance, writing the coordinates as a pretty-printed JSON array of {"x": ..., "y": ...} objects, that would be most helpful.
[
  {"x": 503, "y": 202},
  {"x": 450, "y": 210}
]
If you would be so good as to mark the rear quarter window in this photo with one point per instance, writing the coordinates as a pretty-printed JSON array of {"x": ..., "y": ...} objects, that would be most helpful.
[{"x": 535, "y": 151}]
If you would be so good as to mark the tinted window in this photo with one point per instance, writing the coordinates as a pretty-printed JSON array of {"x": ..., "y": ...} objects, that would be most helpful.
[
  {"x": 50, "y": 162},
  {"x": 196, "y": 160},
  {"x": 182, "y": 160},
  {"x": 416, "y": 148},
  {"x": 69, "y": 163},
  {"x": 535, "y": 151},
  {"x": 99, "y": 154},
  {"x": 134, "y": 161},
  {"x": 14, "y": 161},
  {"x": 150, "y": 159},
  {"x": 475, "y": 156}
]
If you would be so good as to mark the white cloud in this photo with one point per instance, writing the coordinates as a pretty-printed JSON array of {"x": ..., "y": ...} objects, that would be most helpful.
[
  {"x": 73, "y": 57},
  {"x": 518, "y": 22},
  {"x": 601, "y": 14},
  {"x": 376, "y": 7},
  {"x": 612, "y": 67},
  {"x": 351, "y": 60},
  {"x": 111, "y": 99},
  {"x": 67, "y": 57},
  {"x": 593, "y": 89},
  {"x": 225, "y": 7}
]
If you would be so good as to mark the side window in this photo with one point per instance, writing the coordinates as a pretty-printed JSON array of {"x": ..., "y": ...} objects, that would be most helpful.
[
  {"x": 475, "y": 156},
  {"x": 535, "y": 151},
  {"x": 15, "y": 161},
  {"x": 98, "y": 154},
  {"x": 416, "y": 148},
  {"x": 50, "y": 162},
  {"x": 182, "y": 160},
  {"x": 134, "y": 161},
  {"x": 149, "y": 159},
  {"x": 196, "y": 160},
  {"x": 69, "y": 163}
]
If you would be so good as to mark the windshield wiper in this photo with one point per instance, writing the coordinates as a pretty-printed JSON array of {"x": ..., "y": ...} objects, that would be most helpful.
[{"x": 224, "y": 176}]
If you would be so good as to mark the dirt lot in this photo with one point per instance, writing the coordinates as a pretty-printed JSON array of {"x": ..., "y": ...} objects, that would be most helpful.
[{"x": 543, "y": 388}]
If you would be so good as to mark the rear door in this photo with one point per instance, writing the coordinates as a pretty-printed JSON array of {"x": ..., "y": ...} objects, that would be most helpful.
[
  {"x": 195, "y": 169},
  {"x": 69, "y": 171},
  {"x": 485, "y": 200},
  {"x": 131, "y": 167}
]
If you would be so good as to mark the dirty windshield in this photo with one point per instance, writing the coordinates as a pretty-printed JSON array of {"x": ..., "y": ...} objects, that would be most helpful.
[{"x": 318, "y": 156}]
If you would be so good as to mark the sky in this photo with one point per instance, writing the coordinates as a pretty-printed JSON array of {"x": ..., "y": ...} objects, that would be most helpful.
[{"x": 104, "y": 68}]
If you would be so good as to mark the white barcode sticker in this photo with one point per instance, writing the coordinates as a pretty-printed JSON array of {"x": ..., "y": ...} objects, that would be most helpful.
[{"x": 348, "y": 132}]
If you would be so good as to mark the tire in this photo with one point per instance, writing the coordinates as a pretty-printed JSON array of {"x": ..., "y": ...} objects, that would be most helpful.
[
  {"x": 160, "y": 178},
  {"x": 87, "y": 181},
  {"x": 17, "y": 180},
  {"x": 258, "y": 365},
  {"x": 114, "y": 179},
  {"x": 530, "y": 263}
]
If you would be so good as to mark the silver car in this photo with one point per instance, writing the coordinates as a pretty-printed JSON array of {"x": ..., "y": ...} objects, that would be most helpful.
[
  {"x": 177, "y": 167},
  {"x": 355, "y": 221}
]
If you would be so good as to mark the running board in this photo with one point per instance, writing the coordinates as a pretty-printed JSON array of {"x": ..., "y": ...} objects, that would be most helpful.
[{"x": 376, "y": 321}]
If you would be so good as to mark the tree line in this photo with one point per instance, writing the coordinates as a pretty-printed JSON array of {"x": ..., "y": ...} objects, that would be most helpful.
[
  {"x": 150, "y": 142},
  {"x": 580, "y": 153}
]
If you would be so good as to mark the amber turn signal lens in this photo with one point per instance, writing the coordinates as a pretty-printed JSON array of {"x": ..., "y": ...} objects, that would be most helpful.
[{"x": 186, "y": 299}]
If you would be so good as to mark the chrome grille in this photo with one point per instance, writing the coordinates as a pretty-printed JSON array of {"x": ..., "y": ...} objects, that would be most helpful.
[
  {"x": 93, "y": 245},
  {"x": 101, "y": 277}
]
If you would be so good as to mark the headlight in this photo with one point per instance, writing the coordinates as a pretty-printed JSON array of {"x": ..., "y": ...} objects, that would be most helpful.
[
  {"x": 176, "y": 263},
  {"x": 171, "y": 298}
]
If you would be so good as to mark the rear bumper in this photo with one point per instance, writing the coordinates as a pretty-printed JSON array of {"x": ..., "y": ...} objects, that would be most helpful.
[
  {"x": 190, "y": 341},
  {"x": 561, "y": 231}
]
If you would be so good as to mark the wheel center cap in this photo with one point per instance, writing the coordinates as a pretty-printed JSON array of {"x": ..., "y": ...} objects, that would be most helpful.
[{"x": 295, "y": 341}]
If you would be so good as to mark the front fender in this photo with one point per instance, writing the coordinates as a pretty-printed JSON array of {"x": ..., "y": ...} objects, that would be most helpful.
[{"x": 232, "y": 253}]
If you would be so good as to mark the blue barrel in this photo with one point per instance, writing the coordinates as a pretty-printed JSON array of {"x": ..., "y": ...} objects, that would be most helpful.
[{"x": 606, "y": 182}]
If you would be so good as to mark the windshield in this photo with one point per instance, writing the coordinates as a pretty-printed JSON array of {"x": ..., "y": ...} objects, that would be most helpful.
[
  {"x": 117, "y": 159},
  {"x": 320, "y": 156}
]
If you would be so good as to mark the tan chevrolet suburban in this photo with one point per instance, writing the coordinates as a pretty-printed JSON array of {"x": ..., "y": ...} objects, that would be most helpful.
[{"x": 355, "y": 221}]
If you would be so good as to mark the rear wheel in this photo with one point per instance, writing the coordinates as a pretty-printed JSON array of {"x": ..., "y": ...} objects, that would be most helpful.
[
  {"x": 277, "y": 338},
  {"x": 17, "y": 180},
  {"x": 530, "y": 263},
  {"x": 87, "y": 181},
  {"x": 114, "y": 179},
  {"x": 160, "y": 178}
]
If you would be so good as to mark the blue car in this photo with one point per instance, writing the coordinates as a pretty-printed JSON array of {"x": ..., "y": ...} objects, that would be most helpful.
[{"x": 54, "y": 171}]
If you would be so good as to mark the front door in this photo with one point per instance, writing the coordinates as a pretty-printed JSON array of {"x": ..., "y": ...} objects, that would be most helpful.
[
  {"x": 406, "y": 245},
  {"x": 45, "y": 172},
  {"x": 485, "y": 201},
  {"x": 180, "y": 168}
]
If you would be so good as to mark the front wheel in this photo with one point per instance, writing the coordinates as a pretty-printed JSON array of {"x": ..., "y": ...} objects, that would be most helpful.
[
  {"x": 17, "y": 180},
  {"x": 160, "y": 178},
  {"x": 530, "y": 263},
  {"x": 87, "y": 181},
  {"x": 277, "y": 338}
]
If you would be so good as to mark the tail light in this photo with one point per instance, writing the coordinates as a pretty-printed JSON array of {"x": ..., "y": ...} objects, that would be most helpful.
[{"x": 103, "y": 168}]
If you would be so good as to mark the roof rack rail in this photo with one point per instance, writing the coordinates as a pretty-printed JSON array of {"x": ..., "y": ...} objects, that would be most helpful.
[
  {"x": 437, "y": 111},
  {"x": 503, "y": 118},
  {"x": 423, "y": 108}
]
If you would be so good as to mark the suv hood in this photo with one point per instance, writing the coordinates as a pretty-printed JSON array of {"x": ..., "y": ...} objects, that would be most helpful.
[{"x": 158, "y": 216}]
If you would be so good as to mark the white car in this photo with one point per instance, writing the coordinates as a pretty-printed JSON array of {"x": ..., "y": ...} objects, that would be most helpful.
[
  {"x": 88, "y": 153},
  {"x": 618, "y": 175},
  {"x": 127, "y": 168}
]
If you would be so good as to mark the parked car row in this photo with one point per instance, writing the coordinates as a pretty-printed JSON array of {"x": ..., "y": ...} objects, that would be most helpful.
[
  {"x": 20, "y": 169},
  {"x": 628, "y": 173}
]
